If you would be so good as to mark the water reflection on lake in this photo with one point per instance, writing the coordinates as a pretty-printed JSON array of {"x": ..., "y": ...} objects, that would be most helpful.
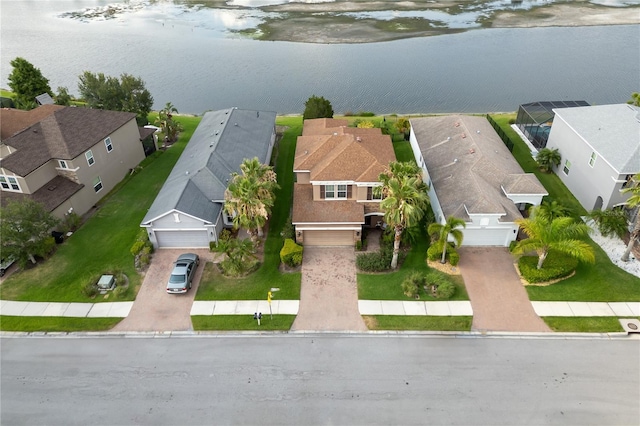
[{"x": 189, "y": 62}]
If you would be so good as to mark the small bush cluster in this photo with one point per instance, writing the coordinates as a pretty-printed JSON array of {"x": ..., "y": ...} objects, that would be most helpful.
[
  {"x": 141, "y": 250},
  {"x": 441, "y": 287},
  {"x": 71, "y": 222},
  {"x": 375, "y": 262},
  {"x": 556, "y": 265},
  {"x": 291, "y": 253},
  {"x": 434, "y": 253},
  {"x": 413, "y": 283},
  {"x": 230, "y": 268},
  {"x": 366, "y": 114},
  {"x": 288, "y": 230},
  {"x": 90, "y": 289}
]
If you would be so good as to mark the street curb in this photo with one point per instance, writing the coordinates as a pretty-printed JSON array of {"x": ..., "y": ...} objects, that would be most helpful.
[{"x": 302, "y": 334}]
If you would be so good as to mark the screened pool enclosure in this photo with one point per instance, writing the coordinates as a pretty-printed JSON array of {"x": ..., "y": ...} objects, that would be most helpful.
[{"x": 535, "y": 119}]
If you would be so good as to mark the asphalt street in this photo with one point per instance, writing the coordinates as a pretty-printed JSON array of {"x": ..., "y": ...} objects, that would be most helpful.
[{"x": 323, "y": 379}]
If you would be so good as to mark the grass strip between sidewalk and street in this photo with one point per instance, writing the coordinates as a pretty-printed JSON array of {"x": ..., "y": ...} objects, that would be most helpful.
[
  {"x": 56, "y": 324},
  {"x": 242, "y": 322},
  {"x": 417, "y": 323},
  {"x": 584, "y": 324}
]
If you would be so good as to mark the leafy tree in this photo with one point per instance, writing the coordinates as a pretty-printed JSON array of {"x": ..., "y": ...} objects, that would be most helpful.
[
  {"x": 63, "y": 97},
  {"x": 403, "y": 125},
  {"x": 548, "y": 158},
  {"x": 635, "y": 99},
  {"x": 561, "y": 234},
  {"x": 26, "y": 82},
  {"x": 170, "y": 128},
  {"x": 250, "y": 196},
  {"x": 633, "y": 201},
  {"x": 443, "y": 231},
  {"x": 610, "y": 222},
  {"x": 405, "y": 200},
  {"x": 26, "y": 227},
  {"x": 127, "y": 94},
  {"x": 317, "y": 107}
]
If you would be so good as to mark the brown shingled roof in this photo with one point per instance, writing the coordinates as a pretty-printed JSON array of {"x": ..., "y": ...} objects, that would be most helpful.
[
  {"x": 65, "y": 134},
  {"x": 13, "y": 120},
  {"x": 305, "y": 210},
  {"x": 51, "y": 194}
]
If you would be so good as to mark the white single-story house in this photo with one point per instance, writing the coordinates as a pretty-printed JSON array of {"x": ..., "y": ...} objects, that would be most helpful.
[
  {"x": 600, "y": 149},
  {"x": 472, "y": 176},
  {"x": 188, "y": 211}
]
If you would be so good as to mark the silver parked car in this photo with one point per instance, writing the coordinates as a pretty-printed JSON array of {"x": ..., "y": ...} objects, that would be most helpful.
[{"x": 183, "y": 271}]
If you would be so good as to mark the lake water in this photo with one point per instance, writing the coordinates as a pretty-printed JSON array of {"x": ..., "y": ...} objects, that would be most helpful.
[{"x": 200, "y": 68}]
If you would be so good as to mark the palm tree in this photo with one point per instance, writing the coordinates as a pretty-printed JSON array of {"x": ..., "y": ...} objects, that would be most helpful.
[
  {"x": 547, "y": 158},
  {"x": 633, "y": 201},
  {"x": 167, "y": 124},
  {"x": 250, "y": 196},
  {"x": 553, "y": 210},
  {"x": 444, "y": 231},
  {"x": 560, "y": 233},
  {"x": 405, "y": 200}
]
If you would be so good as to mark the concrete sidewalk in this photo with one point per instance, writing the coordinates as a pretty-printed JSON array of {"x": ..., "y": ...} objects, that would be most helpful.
[{"x": 290, "y": 307}]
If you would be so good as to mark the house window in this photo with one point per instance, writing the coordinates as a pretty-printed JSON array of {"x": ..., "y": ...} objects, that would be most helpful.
[
  {"x": 89, "y": 156},
  {"x": 567, "y": 166},
  {"x": 371, "y": 194},
  {"x": 334, "y": 192},
  {"x": 97, "y": 184},
  {"x": 9, "y": 183},
  {"x": 107, "y": 143},
  {"x": 592, "y": 160},
  {"x": 63, "y": 164}
]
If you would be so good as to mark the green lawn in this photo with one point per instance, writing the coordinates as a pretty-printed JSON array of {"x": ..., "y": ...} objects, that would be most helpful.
[
  {"x": 214, "y": 286},
  {"x": 425, "y": 323},
  {"x": 584, "y": 324},
  {"x": 387, "y": 286},
  {"x": 11, "y": 323},
  {"x": 600, "y": 282},
  {"x": 103, "y": 242},
  {"x": 242, "y": 322},
  {"x": 403, "y": 150}
]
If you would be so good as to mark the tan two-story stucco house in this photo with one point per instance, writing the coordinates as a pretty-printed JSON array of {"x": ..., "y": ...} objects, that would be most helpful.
[
  {"x": 66, "y": 158},
  {"x": 336, "y": 168}
]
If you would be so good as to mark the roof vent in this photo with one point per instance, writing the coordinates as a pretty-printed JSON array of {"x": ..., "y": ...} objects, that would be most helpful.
[
  {"x": 216, "y": 132},
  {"x": 187, "y": 172},
  {"x": 455, "y": 160},
  {"x": 335, "y": 133},
  {"x": 359, "y": 139},
  {"x": 235, "y": 124},
  {"x": 52, "y": 187},
  {"x": 478, "y": 131}
]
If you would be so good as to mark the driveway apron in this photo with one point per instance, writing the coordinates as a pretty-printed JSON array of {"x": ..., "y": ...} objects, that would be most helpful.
[
  {"x": 154, "y": 309},
  {"x": 329, "y": 292},
  {"x": 498, "y": 298}
]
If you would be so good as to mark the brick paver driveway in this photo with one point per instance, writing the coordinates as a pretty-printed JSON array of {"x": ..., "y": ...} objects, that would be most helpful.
[
  {"x": 154, "y": 309},
  {"x": 498, "y": 299},
  {"x": 329, "y": 292}
]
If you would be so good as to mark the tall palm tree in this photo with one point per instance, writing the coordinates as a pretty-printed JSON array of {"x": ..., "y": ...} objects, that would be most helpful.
[
  {"x": 633, "y": 201},
  {"x": 405, "y": 200},
  {"x": 561, "y": 233},
  {"x": 451, "y": 228},
  {"x": 250, "y": 196}
]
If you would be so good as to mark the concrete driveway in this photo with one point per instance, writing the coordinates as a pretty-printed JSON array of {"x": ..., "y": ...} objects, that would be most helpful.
[
  {"x": 329, "y": 292},
  {"x": 154, "y": 309},
  {"x": 498, "y": 298}
]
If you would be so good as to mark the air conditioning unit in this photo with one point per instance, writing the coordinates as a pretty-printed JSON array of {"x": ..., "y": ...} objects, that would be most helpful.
[{"x": 106, "y": 283}]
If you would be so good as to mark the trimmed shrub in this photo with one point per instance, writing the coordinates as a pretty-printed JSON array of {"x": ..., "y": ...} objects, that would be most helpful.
[
  {"x": 137, "y": 247},
  {"x": 454, "y": 256},
  {"x": 556, "y": 265},
  {"x": 366, "y": 114},
  {"x": 434, "y": 252},
  {"x": 444, "y": 290},
  {"x": 412, "y": 284},
  {"x": 90, "y": 289},
  {"x": 375, "y": 262},
  {"x": 359, "y": 245},
  {"x": 289, "y": 251}
]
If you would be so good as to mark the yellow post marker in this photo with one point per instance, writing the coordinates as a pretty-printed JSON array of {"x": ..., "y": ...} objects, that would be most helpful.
[{"x": 269, "y": 296}]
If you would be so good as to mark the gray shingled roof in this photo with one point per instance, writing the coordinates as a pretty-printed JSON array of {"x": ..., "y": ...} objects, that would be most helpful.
[
  {"x": 218, "y": 146},
  {"x": 64, "y": 134},
  {"x": 469, "y": 166},
  {"x": 613, "y": 131}
]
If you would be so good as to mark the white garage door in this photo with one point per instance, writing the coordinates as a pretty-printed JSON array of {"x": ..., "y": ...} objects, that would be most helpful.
[
  {"x": 328, "y": 238},
  {"x": 485, "y": 237},
  {"x": 182, "y": 239}
]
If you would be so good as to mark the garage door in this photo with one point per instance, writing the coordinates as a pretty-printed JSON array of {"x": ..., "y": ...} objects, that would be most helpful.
[
  {"x": 328, "y": 238},
  {"x": 485, "y": 237},
  {"x": 182, "y": 239}
]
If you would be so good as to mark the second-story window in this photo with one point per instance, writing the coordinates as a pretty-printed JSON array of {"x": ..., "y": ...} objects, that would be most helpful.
[
  {"x": 372, "y": 194},
  {"x": 9, "y": 183},
  {"x": 89, "y": 156},
  {"x": 334, "y": 192},
  {"x": 63, "y": 164},
  {"x": 108, "y": 145}
]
